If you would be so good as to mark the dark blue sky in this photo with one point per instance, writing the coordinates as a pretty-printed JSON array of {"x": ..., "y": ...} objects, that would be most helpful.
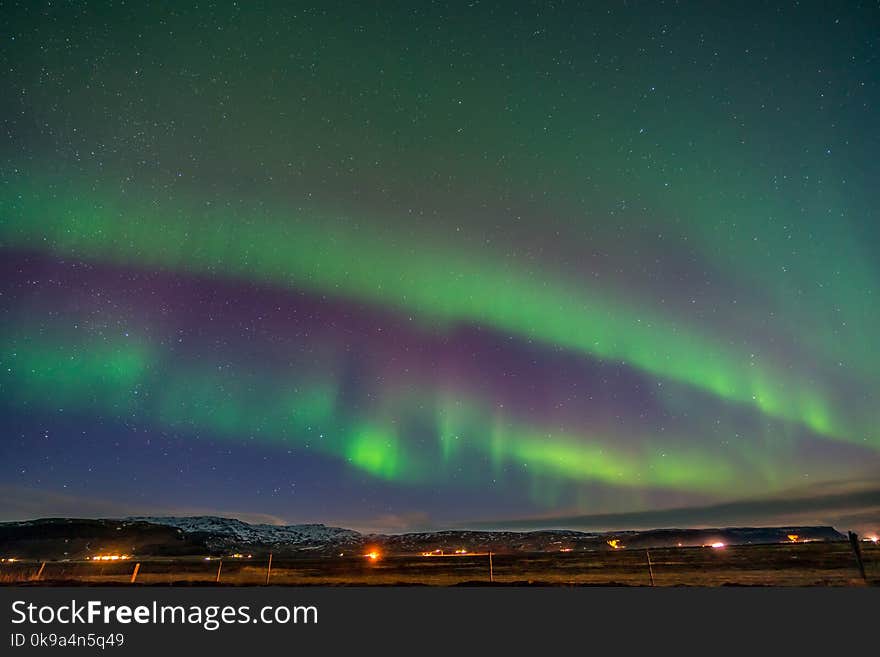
[{"x": 414, "y": 265}]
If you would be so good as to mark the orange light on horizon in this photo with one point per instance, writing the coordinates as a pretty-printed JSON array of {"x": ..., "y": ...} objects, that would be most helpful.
[
  {"x": 873, "y": 538},
  {"x": 793, "y": 538},
  {"x": 717, "y": 545},
  {"x": 615, "y": 544},
  {"x": 372, "y": 555},
  {"x": 110, "y": 557}
]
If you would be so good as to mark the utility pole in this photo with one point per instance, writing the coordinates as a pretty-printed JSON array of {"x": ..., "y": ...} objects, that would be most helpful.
[
  {"x": 269, "y": 569},
  {"x": 491, "y": 572},
  {"x": 650, "y": 567},
  {"x": 134, "y": 575},
  {"x": 219, "y": 568}
]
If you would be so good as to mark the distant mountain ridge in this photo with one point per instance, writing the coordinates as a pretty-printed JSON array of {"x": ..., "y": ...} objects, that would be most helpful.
[
  {"x": 237, "y": 531},
  {"x": 72, "y": 538}
]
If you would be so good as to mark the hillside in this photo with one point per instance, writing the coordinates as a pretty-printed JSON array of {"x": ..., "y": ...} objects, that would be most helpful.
[{"x": 72, "y": 538}]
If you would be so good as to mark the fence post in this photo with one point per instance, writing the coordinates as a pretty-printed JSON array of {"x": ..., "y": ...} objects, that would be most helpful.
[
  {"x": 857, "y": 550},
  {"x": 269, "y": 569},
  {"x": 491, "y": 572},
  {"x": 219, "y": 568},
  {"x": 40, "y": 571},
  {"x": 134, "y": 574},
  {"x": 650, "y": 567}
]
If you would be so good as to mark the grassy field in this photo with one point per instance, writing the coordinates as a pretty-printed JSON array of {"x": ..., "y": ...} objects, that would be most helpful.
[{"x": 811, "y": 564}]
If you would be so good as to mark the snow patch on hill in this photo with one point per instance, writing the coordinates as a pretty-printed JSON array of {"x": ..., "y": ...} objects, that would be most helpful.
[{"x": 242, "y": 532}]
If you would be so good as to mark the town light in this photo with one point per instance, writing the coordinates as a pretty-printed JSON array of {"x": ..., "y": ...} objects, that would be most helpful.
[{"x": 110, "y": 557}]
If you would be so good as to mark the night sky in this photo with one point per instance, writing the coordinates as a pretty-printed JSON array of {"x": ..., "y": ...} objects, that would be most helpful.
[{"x": 403, "y": 265}]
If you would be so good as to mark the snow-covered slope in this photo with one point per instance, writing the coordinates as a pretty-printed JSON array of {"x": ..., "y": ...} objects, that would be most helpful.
[
  {"x": 235, "y": 532},
  {"x": 76, "y": 538},
  {"x": 228, "y": 533}
]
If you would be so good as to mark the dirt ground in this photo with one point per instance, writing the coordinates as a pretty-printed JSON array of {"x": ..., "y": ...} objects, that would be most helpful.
[{"x": 811, "y": 564}]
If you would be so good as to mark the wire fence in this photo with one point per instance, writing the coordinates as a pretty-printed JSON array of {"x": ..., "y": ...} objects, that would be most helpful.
[{"x": 810, "y": 564}]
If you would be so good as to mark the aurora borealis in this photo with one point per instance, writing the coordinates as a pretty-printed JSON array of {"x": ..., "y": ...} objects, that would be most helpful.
[{"x": 418, "y": 265}]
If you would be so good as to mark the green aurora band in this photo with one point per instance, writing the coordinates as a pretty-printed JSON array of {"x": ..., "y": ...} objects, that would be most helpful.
[
  {"x": 438, "y": 285},
  {"x": 121, "y": 379}
]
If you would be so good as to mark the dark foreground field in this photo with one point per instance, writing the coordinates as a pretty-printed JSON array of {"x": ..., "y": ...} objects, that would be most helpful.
[{"x": 814, "y": 564}]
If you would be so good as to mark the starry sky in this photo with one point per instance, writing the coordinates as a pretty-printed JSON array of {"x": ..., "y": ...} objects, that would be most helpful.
[{"x": 409, "y": 265}]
